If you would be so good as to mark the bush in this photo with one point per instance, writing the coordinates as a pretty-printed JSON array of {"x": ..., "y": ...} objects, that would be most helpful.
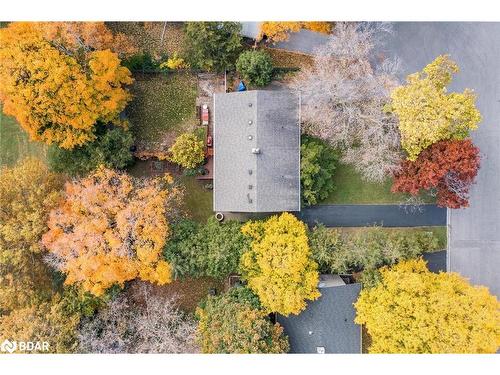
[
  {"x": 141, "y": 62},
  {"x": 212, "y": 46},
  {"x": 111, "y": 149},
  {"x": 318, "y": 162},
  {"x": 187, "y": 151},
  {"x": 213, "y": 249},
  {"x": 366, "y": 250},
  {"x": 256, "y": 67},
  {"x": 233, "y": 323}
]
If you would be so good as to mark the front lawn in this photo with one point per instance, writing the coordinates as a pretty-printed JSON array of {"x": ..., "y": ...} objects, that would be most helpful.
[
  {"x": 15, "y": 143},
  {"x": 350, "y": 188},
  {"x": 163, "y": 106}
]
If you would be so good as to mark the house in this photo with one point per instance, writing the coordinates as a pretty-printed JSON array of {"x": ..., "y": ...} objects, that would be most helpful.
[
  {"x": 256, "y": 151},
  {"x": 327, "y": 324}
]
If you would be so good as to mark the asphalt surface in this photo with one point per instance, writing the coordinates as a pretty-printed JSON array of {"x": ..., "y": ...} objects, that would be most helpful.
[
  {"x": 436, "y": 262},
  {"x": 474, "y": 233},
  {"x": 304, "y": 41},
  {"x": 367, "y": 215}
]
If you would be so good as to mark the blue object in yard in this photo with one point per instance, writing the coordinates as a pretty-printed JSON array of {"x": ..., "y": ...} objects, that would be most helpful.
[{"x": 242, "y": 87}]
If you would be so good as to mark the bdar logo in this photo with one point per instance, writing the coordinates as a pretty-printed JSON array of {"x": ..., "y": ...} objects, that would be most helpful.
[{"x": 8, "y": 346}]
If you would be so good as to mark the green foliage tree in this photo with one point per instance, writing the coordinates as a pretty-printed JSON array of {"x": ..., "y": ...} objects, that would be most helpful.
[
  {"x": 234, "y": 323},
  {"x": 416, "y": 311},
  {"x": 213, "y": 249},
  {"x": 318, "y": 162},
  {"x": 213, "y": 46},
  {"x": 187, "y": 151},
  {"x": 111, "y": 148},
  {"x": 256, "y": 67},
  {"x": 366, "y": 250}
]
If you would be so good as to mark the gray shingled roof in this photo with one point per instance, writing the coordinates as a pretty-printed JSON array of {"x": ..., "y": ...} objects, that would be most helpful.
[
  {"x": 326, "y": 323},
  {"x": 268, "y": 181}
]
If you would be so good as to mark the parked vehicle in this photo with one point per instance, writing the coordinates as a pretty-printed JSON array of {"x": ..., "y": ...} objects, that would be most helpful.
[
  {"x": 209, "y": 141},
  {"x": 204, "y": 114}
]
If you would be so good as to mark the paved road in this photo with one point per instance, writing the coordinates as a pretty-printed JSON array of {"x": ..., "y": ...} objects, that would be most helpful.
[
  {"x": 474, "y": 245},
  {"x": 366, "y": 215},
  {"x": 304, "y": 41},
  {"x": 436, "y": 262}
]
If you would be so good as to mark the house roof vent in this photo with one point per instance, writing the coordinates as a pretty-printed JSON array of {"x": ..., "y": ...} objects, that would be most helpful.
[{"x": 255, "y": 150}]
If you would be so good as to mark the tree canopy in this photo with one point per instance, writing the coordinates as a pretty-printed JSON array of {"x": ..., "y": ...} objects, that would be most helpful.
[
  {"x": 187, "y": 151},
  {"x": 213, "y": 46},
  {"x": 58, "y": 89},
  {"x": 110, "y": 229},
  {"x": 416, "y": 311},
  {"x": 256, "y": 67},
  {"x": 446, "y": 167},
  {"x": 234, "y": 323},
  {"x": 278, "y": 266},
  {"x": 427, "y": 113}
]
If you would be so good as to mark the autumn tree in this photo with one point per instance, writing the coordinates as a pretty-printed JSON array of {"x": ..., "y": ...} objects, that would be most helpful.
[
  {"x": 187, "y": 151},
  {"x": 416, "y": 311},
  {"x": 213, "y": 46},
  {"x": 256, "y": 67},
  {"x": 278, "y": 266},
  {"x": 278, "y": 31},
  {"x": 446, "y": 167},
  {"x": 110, "y": 229},
  {"x": 28, "y": 191},
  {"x": 427, "y": 113},
  {"x": 235, "y": 323},
  {"x": 149, "y": 323},
  {"x": 318, "y": 162},
  {"x": 343, "y": 99},
  {"x": 58, "y": 89}
]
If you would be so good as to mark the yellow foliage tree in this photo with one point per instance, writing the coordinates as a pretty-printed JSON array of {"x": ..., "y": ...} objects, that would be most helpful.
[
  {"x": 57, "y": 94},
  {"x": 278, "y": 267},
  {"x": 427, "y": 113},
  {"x": 187, "y": 151},
  {"x": 279, "y": 31},
  {"x": 111, "y": 229},
  {"x": 28, "y": 191},
  {"x": 416, "y": 311}
]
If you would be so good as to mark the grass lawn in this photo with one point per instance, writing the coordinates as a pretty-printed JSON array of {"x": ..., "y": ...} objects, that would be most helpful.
[
  {"x": 198, "y": 200},
  {"x": 15, "y": 144},
  {"x": 439, "y": 232},
  {"x": 163, "y": 106},
  {"x": 350, "y": 188}
]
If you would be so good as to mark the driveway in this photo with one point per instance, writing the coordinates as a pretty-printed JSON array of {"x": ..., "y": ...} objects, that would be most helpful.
[
  {"x": 366, "y": 215},
  {"x": 474, "y": 233}
]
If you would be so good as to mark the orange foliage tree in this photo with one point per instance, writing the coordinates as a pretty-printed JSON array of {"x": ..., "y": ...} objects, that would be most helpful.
[
  {"x": 59, "y": 89},
  {"x": 279, "y": 31},
  {"x": 110, "y": 229}
]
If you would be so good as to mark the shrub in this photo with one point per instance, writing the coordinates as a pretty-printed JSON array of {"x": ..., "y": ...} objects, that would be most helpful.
[
  {"x": 141, "y": 62},
  {"x": 233, "y": 323},
  {"x": 187, "y": 151},
  {"x": 256, "y": 67},
  {"x": 318, "y": 162},
  {"x": 111, "y": 148}
]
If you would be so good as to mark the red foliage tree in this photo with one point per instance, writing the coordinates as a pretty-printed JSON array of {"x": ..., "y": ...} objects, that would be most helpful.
[{"x": 449, "y": 167}]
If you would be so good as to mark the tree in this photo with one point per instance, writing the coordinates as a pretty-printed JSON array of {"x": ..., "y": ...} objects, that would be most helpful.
[
  {"x": 28, "y": 191},
  {"x": 187, "y": 151},
  {"x": 343, "y": 99},
  {"x": 213, "y": 46},
  {"x": 126, "y": 325},
  {"x": 367, "y": 250},
  {"x": 111, "y": 148},
  {"x": 449, "y": 167},
  {"x": 213, "y": 249},
  {"x": 256, "y": 67},
  {"x": 56, "y": 94},
  {"x": 110, "y": 229},
  {"x": 278, "y": 266},
  {"x": 318, "y": 162},
  {"x": 417, "y": 311},
  {"x": 234, "y": 323},
  {"x": 427, "y": 113},
  {"x": 279, "y": 31}
]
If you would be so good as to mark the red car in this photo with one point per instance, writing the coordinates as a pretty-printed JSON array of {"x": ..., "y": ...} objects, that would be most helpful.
[
  {"x": 204, "y": 114},
  {"x": 209, "y": 141}
]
